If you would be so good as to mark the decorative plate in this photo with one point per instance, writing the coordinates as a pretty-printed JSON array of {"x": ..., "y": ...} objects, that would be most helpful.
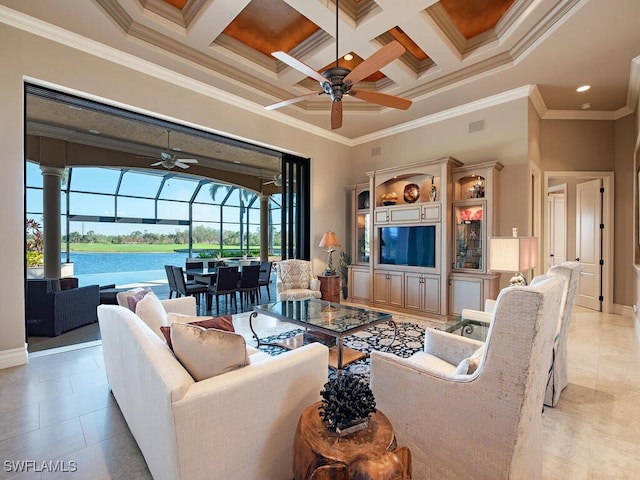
[{"x": 411, "y": 193}]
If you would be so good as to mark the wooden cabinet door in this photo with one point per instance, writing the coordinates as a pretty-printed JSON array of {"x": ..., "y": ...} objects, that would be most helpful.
[
  {"x": 396, "y": 289},
  {"x": 413, "y": 291},
  {"x": 431, "y": 293},
  {"x": 380, "y": 288},
  {"x": 465, "y": 293},
  {"x": 360, "y": 284}
]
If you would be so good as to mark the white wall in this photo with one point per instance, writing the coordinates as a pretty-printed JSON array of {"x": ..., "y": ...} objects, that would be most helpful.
[{"x": 47, "y": 62}]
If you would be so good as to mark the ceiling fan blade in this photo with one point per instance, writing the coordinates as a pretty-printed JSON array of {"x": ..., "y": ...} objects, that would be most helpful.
[
  {"x": 298, "y": 65},
  {"x": 375, "y": 62},
  {"x": 157, "y": 164},
  {"x": 187, "y": 160},
  {"x": 180, "y": 164},
  {"x": 381, "y": 99},
  {"x": 336, "y": 114},
  {"x": 284, "y": 103}
]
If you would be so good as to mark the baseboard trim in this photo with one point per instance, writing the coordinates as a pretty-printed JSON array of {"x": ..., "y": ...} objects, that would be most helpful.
[
  {"x": 624, "y": 310},
  {"x": 13, "y": 357}
]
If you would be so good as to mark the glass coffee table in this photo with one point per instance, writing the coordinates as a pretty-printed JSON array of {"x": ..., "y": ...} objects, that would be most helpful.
[
  {"x": 466, "y": 327},
  {"x": 323, "y": 320}
]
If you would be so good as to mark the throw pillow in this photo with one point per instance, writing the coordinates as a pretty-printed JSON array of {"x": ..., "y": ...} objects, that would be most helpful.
[
  {"x": 475, "y": 360},
  {"x": 221, "y": 323},
  {"x": 130, "y": 298},
  {"x": 151, "y": 312},
  {"x": 470, "y": 364},
  {"x": 224, "y": 322},
  {"x": 207, "y": 353}
]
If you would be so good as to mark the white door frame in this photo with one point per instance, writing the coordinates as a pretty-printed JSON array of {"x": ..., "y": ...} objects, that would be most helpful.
[{"x": 607, "y": 220}]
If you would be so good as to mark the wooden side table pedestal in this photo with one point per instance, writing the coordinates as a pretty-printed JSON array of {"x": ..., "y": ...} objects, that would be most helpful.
[
  {"x": 369, "y": 454},
  {"x": 330, "y": 288}
]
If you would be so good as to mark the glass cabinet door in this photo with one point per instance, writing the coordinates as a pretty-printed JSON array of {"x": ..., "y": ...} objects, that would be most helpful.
[
  {"x": 363, "y": 225},
  {"x": 469, "y": 237}
]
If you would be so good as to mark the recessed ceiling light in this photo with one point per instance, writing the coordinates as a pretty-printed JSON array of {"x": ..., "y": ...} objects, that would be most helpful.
[
  {"x": 176, "y": 149},
  {"x": 583, "y": 88},
  {"x": 95, "y": 132},
  {"x": 237, "y": 162},
  {"x": 348, "y": 57},
  {"x": 75, "y": 107},
  {"x": 585, "y": 106}
]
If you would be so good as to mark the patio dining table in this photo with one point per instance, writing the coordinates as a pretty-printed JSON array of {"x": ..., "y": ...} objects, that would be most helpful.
[{"x": 205, "y": 275}]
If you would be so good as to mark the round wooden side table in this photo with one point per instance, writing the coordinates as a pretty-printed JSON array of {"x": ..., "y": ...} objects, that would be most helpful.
[{"x": 371, "y": 453}]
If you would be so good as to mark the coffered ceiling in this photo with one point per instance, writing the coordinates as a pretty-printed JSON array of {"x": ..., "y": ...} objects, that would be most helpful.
[{"x": 457, "y": 51}]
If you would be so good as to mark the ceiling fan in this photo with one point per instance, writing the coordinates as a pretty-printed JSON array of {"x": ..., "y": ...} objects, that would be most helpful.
[
  {"x": 276, "y": 180},
  {"x": 169, "y": 160},
  {"x": 338, "y": 81}
]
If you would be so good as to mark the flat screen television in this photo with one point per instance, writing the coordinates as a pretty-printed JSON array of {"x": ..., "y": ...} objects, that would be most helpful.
[{"x": 411, "y": 246}]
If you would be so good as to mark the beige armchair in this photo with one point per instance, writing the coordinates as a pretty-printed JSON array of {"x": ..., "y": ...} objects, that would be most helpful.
[
  {"x": 460, "y": 423},
  {"x": 558, "y": 376},
  {"x": 295, "y": 280}
]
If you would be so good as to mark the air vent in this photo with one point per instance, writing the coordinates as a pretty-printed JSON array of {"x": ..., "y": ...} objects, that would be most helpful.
[{"x": 476, "y": 126}]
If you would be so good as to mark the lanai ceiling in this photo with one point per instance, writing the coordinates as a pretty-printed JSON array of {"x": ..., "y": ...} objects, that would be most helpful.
[{"x": 457, "y": 51}]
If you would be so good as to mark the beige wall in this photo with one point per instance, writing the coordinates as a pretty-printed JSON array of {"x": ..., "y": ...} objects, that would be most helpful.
[
  {"x": 623, "y": 288},
  {"x": 504, "y": 138},
  {"x": 36, "y": 58},
  {"x": 591, "y": 146}
]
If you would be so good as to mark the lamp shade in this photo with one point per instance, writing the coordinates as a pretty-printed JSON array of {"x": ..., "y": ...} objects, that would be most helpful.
[
  {"x": 329, "y": 240},
  {"x": 512, "y": 254}
]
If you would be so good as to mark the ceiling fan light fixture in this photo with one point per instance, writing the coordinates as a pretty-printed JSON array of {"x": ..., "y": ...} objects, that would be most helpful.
[{"x": 338, "y": 81}]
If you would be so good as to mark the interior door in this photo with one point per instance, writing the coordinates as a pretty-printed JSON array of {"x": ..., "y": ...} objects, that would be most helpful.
[
  {"x": 556, "y": 227},
  {"x": 589, "y": 243}
]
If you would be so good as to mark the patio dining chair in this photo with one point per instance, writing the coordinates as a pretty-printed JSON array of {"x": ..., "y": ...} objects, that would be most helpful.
[
  {"x": 264, "y": 279},
  {"x": 184, "y": 288},
  {"x": 248, "y": 286},
  {"x": 227, "y": 285},
  {"x": 172, "y": 281}
]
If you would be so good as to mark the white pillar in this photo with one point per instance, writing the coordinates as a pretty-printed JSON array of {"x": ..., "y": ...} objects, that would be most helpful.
[
  {"x": 51, "y": 182},
  {"x": 264, "y": 228}
]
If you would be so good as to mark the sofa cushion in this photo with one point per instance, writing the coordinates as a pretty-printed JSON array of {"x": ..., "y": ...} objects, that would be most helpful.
[
  {"x": 130, "y": 298},
  {"x": 224, "y": 323},
  {"x": 205, "y": 353},
  {"x": 151, "y": 312}
]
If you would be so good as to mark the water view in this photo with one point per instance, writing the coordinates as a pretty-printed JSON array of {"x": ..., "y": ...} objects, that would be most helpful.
[{"x": 123, "y": 268}]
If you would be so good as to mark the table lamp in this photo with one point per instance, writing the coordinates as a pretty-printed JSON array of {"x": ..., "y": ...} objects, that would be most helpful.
[
  {"x": 513, "y": 254},
  {"x": 328, "y": 242}
]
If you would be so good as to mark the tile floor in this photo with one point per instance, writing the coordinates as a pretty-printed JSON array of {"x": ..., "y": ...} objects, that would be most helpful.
[{"x": 58, "y": 409}]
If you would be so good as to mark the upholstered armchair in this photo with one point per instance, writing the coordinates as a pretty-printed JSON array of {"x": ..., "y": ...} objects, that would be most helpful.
[
  {"x": 468, "y": 409},
  {"x": 558, "y": 376},
  {"x": 295, "y": 280}
]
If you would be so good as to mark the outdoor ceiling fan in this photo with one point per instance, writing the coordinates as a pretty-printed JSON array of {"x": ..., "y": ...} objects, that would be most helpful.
[
  {"x": 338, "y": 81},
  {"x": 169, "y": 160},
  {"x": 276, "y": 180}
]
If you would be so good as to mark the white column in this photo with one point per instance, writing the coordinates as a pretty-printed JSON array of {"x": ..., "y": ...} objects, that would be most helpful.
[
  {"x": 51, "y": 182},
  {"x": 264, "y": 228}
]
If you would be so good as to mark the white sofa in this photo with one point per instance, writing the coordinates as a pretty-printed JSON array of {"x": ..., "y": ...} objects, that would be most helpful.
[{"x": 238, "y": 425}]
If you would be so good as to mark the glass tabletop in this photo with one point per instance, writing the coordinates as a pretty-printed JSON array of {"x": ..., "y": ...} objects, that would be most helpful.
[
  {"x": 332, "y": 317},
  {"x": 470, "y": 328}
]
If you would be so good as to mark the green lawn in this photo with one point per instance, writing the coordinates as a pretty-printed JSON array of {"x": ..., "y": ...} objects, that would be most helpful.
[{"x": 135, "y": 247}]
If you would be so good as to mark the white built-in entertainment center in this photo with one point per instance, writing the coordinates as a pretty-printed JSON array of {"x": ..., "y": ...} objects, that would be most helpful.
[{"x": 419, "y": 237}]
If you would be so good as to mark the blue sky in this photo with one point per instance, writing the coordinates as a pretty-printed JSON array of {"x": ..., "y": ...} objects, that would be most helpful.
[{"x": 103, "y": 182}]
